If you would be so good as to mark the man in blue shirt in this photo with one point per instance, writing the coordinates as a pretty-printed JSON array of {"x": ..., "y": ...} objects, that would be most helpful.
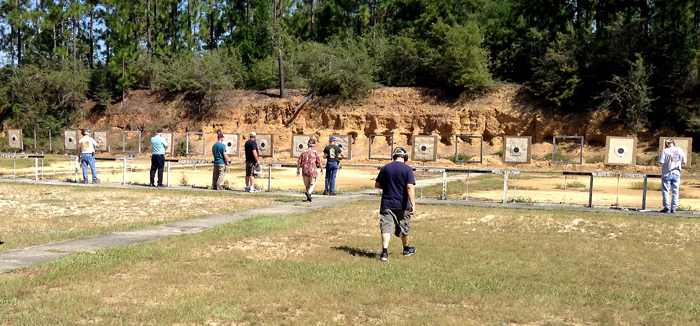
[
  {"x": 220, "y": 163},
  {"x": 158, "y": 146},
  {"x": 398, "y": 201}
]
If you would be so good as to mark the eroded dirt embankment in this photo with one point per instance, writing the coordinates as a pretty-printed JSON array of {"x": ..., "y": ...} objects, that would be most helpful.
[{"x": 507, "y": 110}]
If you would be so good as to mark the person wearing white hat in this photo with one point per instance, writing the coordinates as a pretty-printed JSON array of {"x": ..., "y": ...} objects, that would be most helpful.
[{"x": 86, "y": 155}]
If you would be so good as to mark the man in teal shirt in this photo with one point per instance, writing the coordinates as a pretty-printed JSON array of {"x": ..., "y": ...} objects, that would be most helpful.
[
  {"x": 220, "y": 163},
  {"x": 158, "y": 146}
]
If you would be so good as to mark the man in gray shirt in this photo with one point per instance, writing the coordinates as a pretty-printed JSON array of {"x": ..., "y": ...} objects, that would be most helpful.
[{"x": 672, "y": 159}]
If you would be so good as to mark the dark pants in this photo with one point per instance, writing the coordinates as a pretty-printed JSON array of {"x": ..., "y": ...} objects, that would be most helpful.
[{"x": 157, "y": 163}]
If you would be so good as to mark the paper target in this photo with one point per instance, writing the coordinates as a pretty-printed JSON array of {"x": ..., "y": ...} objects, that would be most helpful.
[
  {"x": 14, "y": 138},
  {"x": 193, "y": 140},
  {"x": 231, "y": 142},
  {"x": 299, "y": 144},
  {"x": 345, "y": 144},
  {"x": 685, "y": 143},
  {"x": 101, "y": 138},
  {"x": 131, "y": 142},
  {"x": 424, "y": 148},
  {"x": 265, "y": 145},
  {"x": 516, "y": 149},
  {"x": 620, "y": 150},
  {"x": 70, "y": 140},
  {"x": 169, "y": 136}
]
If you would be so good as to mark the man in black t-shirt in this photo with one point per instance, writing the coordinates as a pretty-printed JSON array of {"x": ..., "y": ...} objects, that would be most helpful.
[
  {"x": 332, "y": 153},
  {"x": 252, "y": 159},
  {"x": 398, "y": 201}
]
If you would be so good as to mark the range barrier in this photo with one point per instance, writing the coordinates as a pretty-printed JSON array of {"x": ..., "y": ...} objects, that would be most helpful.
[
  {"x": 506, "y": 173},
  {"x": 36, "y": 163}
]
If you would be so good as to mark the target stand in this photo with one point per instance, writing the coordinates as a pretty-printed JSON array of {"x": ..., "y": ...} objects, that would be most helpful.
[{"x": 619, "y": 152}]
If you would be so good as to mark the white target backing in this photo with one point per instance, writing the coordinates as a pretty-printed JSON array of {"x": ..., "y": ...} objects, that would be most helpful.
[
  {"x": 70, "y": 140},
  {"x": 686, "y": 143},
  {"x": 265, "y": 145},
  {"x": 516, "y": 149},
  {"x": 620, "y": 150},
  {"x": 101, "y": 136},
  {"x": 299, "y": 144},
  {"x": 424, "y": 148},
  {"x": 169, "y": 136},
  {"x": 231, "y": 142},
  {"x": 345, "y": 144},
  {"x": 14, "y": 138}
]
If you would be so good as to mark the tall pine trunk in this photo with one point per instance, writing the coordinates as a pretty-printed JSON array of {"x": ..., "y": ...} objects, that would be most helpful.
[
  {"x": 313, "y": 16},
  {"x": 36, "y": 24},
  {"x": 92, "y": 37},
  {"x": 148, "y": 27},
  {"x": 75, "y": 50}
]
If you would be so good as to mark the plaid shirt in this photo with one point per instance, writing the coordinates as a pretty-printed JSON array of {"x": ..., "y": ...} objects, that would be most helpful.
[{"x": 309, "y": 161}]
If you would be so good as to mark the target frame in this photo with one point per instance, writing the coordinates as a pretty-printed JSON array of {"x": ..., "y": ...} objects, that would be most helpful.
[
  {"x": 347, "y": 139},
  {"x": 18, "y": 142},
  {"x": 204, "y": 143},
  {"x": 36, "y": 143},
  {"x": 460, "y": 138},
  {"x": 423, "y": 139},
  {"x": 170, "y": 138},
  {"x": 508, "y": 158},
  {"x": 554, "y": 150},
  {"x": 686, "y": 143},
  {"x": 67, "y": 135},
  {"x": 265, "y": 152},
  {"x": 124, "y": 133},
  {"x": 615, "y": 142},
  {"x": 371, "y": 140},
  {"x": 105, "y": 143},
  {"x": 300, "y": 143}
]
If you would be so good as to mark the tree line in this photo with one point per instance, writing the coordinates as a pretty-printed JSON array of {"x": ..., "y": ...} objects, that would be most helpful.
[{"x": 639, "y": 59}]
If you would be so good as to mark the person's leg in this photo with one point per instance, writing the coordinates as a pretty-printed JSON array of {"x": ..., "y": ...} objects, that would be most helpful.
[
  {"x": 91, "y": 160},
  {"x": 312, "y": 185},
  {"x": 333, "y": 171},
  {"x": 328, "y": 179},
  {"x": 665, "y": 185},
  {"x": 675, "y": 187},
  {"x": 215, "y": 177},
  {"x": 405, "y": 240},
  {"x": 84, "y": 165},
  {"x": 252, "y": 182},
  {"x": 154, "y": 168},
  {"x": 161, "y": 167},
  {"x": 385, "y": 240},
  {"x": 222, "y": 176}
]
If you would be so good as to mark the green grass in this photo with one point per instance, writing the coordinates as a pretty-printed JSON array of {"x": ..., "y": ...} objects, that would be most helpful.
[
  {"x": 647, "y": 161},
  {"x": 559, "y": 157},
  {"x": 461, "y": 157},
  {"x": 573, "y": 184},
  {"x": 651, "y": 186},
  {"x": 29, "y": 162},
  {"x": 483, "y": 182},
  {"x": 474, "y": 266},
  {"x": 595, "y": 159}
]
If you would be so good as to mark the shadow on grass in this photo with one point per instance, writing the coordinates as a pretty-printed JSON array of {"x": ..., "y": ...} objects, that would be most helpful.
[{"x": 356, "y": 252}]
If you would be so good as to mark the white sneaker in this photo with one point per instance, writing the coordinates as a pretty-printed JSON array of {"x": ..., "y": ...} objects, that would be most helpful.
[{"x": 251, "y": 189}]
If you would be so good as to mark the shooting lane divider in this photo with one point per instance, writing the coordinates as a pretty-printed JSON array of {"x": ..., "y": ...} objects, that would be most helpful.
[
  {"x": 117, "y": 159},
  {"x": 14, "y": 157}
]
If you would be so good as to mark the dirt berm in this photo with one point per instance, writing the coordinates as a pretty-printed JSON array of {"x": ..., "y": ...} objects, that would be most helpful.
[{"x": 506, "y": 110}]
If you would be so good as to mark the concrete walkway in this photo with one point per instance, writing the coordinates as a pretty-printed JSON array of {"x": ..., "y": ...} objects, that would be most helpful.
[{"x": 25, "y": 257}]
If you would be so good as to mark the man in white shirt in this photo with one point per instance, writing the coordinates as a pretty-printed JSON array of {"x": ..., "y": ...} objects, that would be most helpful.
[
  {"x": 86, "y": 155},
  {"x": 672, "y": 159}
]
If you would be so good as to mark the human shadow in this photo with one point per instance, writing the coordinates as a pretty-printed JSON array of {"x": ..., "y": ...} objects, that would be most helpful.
[{"x": 356, "y": 252}]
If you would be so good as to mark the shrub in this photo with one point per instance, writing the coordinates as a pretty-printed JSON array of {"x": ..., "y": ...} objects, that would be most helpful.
[
  {"x": 559, "y": 157},
  {"x": 639, "y": 185},
  {"x": 181, "y": 148},
  {"x": 342, "y": 68},
  {"x": 595, "y": 159}
]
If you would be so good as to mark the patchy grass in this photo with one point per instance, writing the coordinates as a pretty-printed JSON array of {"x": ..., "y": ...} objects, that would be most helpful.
[
  {"x": 595, "y": 159},
  {"x": 651, "y": 186},
  {"x": 573, "y": 184},
  {"x": 474, "y": 266},
  {"x": 37, "y": 214}
]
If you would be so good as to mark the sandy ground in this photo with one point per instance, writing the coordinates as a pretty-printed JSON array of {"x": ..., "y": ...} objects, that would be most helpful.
[{"x": 531, "y": 187}]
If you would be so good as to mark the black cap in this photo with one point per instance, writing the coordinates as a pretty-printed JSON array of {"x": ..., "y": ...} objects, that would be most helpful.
[{"x": 160, "y": 131}]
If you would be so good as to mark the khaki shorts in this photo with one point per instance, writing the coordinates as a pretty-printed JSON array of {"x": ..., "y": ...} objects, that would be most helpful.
[
  {"x": 249, "y": 168},
  {"x": 309, "y": 181},
  {"x": 396, "y": 221}
]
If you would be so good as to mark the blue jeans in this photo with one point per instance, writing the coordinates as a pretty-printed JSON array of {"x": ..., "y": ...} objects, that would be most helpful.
[
  {"x": 331, "y": 171},
  {"x": 671, "y": 181},
  {"x": 85, "y": 160}
]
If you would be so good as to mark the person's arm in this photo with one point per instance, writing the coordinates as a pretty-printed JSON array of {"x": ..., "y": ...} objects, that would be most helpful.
[
  {"x": 257, "y": 158},
  {"x": 412, "y": 196},
  {"x": 318, "y": 162},
  {"x": 97, "y": 144},
  {"x": 226, "y": 161},
  {"x": 377, "y": 183}
]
